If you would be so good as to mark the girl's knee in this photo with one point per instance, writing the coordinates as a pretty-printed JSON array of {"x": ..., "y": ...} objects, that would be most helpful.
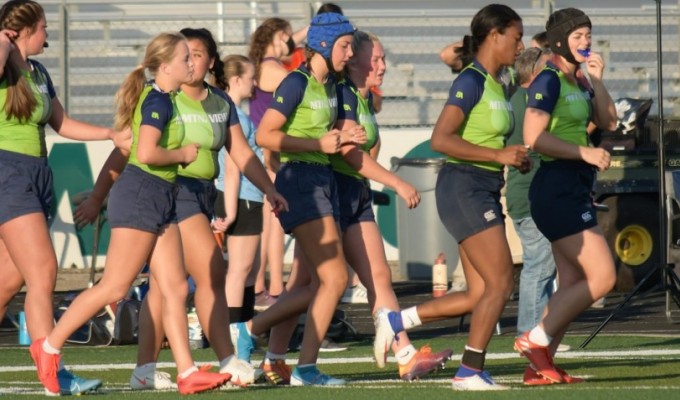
[
  {"x": 334, "y": 282},
  {"x": 607, "y": 282},
  {"x": 179, "y": 289}
]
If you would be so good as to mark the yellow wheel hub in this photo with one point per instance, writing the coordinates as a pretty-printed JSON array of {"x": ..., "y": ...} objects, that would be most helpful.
[{"x": 634, "y": 245}]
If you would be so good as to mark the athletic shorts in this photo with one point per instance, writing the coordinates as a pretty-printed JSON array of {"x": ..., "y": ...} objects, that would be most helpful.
[
  {"x": 560, "y": 198},
  {"x": 142, "y": 201},
  {"x": 220, "y": 212},
  {"x": 195, "y": 196},
  {"x": 469, "y": 199},
  {"x": 248, "y": 219},
  {"x": 310, "y": 191},
  {"x": 356, "y": 200},
  {"x": 25, "y": 185}
]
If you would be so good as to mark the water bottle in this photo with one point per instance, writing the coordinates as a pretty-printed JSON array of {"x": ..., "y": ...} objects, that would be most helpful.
[
  {"x": 24, "y": 337},
  {"x": 195, "y": 330},
  {"x": 440, "y": 280}
]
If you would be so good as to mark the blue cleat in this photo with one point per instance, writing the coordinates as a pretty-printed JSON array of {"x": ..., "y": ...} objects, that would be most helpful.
[
  {"x": 73, "y": 385},
  {"x": 243, "y": 342},
  {"x": 311, "y": 376}
]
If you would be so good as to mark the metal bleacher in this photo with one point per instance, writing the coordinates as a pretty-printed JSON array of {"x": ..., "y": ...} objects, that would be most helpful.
[{"x": 95, "y": 43}]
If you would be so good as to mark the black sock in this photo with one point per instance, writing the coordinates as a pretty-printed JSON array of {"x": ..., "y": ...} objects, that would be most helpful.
[
  {"x": 473, "y": 359},
  {"x": 248, "y": 311},
  {"x": 235, "y": 314}
]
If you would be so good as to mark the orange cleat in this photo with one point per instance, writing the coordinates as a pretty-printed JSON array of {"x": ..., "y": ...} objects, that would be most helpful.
[
  {"x": 424, "y": 362},
  {"x": 201, "y": 381},
  {"x": 47, "y": 366},
  {"x": 539, "y": 357},
  {"x": 276, "y": 373},
  {"x": 532, "y": 378}
]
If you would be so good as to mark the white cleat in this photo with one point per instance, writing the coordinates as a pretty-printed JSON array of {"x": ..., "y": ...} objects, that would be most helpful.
[
  {"x": 242, "y": 373},
  {"x": 481, "y": 381},
  {"x": 384, "y": 336},
  {"x": 158, "y": 380}
]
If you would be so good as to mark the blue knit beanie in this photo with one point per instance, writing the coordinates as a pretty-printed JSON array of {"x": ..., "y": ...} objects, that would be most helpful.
[{"x": 324, "y": 30}]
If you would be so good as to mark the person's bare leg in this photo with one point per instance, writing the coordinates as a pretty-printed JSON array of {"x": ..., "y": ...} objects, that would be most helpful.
[
  {"x": 322, "y": 245},
  {"x": 167, "y": 267},
  {"x": 242, "y": 256},
  {"x": 150, "y": 332},
  {"x": 37, "y": 267},
  {"x": 455, "y": 304},
  {"x": 489, "y": 254},
  {"x": 295, "y": 299},
  {"x": 11, "y": 282},
  {"x": 123, "y": 263},
  {"x": 267, "y": 220},
  {"x": 204, "y": 262},
  {"x": 587, "y": 254},
  {"x": 365, "y": 253}
]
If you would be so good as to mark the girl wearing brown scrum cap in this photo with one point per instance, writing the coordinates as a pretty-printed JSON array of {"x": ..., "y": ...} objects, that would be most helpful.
[{"x": 561, "y": 103}]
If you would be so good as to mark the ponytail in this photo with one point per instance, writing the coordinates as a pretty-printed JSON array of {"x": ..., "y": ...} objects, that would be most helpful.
[{"x": 127, "y": 97}]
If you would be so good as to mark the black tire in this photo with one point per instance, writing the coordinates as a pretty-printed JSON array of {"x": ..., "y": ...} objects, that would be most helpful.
[{"x": 631, "y": 227}]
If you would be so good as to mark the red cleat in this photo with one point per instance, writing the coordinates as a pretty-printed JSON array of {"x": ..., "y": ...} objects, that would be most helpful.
[
  {"x": 539, "y": 357},
  {"x": 568, "y": 379},
  {"x": 532, "y": 378},
  {"x": 201, "y": 381},
  {"x": 47, "y": 366}
]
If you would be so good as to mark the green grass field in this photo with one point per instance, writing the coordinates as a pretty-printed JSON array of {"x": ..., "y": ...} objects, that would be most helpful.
[{"x": 616, "y": 367}]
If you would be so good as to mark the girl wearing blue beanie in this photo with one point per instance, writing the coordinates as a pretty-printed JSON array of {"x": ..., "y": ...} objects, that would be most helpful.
[{"x": 299, "y": 125}]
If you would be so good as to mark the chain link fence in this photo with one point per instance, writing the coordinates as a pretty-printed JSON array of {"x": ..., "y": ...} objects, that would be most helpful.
[{"x": 93, "y": 44}]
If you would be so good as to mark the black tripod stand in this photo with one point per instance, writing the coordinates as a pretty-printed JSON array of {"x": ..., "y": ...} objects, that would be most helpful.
[
  {"x": 671, "y": 285},
  {"x": 670, "y": 281}
]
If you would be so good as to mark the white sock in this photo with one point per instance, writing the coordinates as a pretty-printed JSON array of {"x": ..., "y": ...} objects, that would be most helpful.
[
  {"x": 47, "y": 348},
  {"x": 225, "y": 362},
  {"x": 405, "y": 355},
  {"x": 473, "y": 349},
  {"x": 188, "y": 372},
  {"x": 538, "y": 336},
  {"x": 145, "y": 369},
  {"x": 269, "y": 357},
  {"x": 410, "y": 318}
]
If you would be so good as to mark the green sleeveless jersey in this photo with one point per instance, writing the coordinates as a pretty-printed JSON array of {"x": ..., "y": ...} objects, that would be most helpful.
[
  {"x": 157, "y": 109},
  {"x": 488, "y": 113},
  {"x": 28, "y": 137},
  {"x": 311, "y": 109},
  {"x": 353, "y": 106},
  {"x": 206, "y": 122},
  {"x": 568, "y": 104}
]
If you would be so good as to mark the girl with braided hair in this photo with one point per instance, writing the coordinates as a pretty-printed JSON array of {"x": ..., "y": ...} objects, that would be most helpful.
[{"x": 268, "y": 44}]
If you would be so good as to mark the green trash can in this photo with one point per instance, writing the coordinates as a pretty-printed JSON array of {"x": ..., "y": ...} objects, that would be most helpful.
[{"x": 421, "y": 235}]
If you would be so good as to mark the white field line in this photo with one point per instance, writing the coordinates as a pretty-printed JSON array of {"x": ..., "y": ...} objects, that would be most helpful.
[{"x": 661, "y": 353}]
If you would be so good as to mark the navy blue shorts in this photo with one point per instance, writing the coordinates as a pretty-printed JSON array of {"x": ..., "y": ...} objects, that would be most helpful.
[
  {"x": 469, "y": 199},
  {"x": 310, "y": 191},
  {"x": 141, "y": 201},
  {"x": 25, "y": 185},
  {"x": 248, "y": 219},
  {"x": 560, "y": 198},
  {"x": 195, "y": 196},
  {"x": 356, "y": 200}
]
